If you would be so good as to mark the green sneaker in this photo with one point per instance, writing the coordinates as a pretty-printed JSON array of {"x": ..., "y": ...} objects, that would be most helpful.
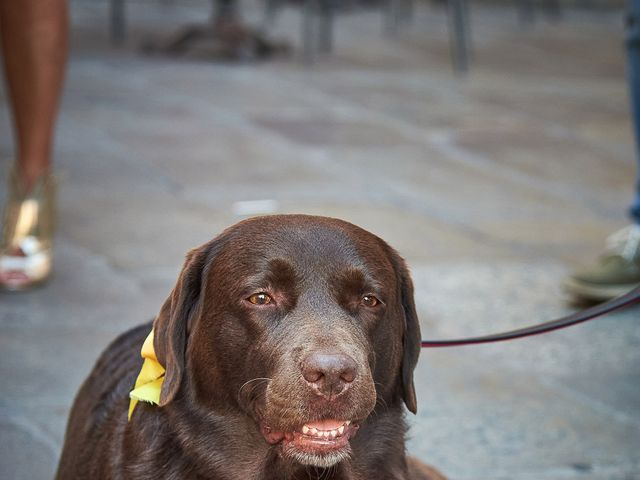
[{"x": 615, "y": 273}]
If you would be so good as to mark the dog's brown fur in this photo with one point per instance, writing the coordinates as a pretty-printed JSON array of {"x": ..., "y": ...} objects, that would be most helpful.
[{"x": 233, "y": 369}]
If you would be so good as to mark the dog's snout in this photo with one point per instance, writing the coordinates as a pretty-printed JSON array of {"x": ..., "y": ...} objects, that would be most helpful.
[{"x": 329, "y": 374}]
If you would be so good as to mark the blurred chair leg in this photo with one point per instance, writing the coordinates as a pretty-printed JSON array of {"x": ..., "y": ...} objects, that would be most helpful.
[
  {"x": 309, "y": 13},
  {"x": 395, "y": 13},
  {"x": 225, "y": 9},
  {"x": 459, "y": 37},
  {"x": 525, "y": 11},
  {"x": 270, "y": 12},
  {"x": 390, "y": 16},
  {"x": 406, "y": 11},
  {"x": 117, "y": 22},
  {"x": 554, "y": 9},
  {"x": 325, "y": 31}
]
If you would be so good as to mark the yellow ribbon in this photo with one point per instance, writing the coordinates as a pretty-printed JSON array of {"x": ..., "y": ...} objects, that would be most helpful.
[{"x": 150, "y": 378}]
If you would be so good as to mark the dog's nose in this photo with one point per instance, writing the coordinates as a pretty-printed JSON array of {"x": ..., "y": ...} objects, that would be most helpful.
[{"x": 329, "y": 374}]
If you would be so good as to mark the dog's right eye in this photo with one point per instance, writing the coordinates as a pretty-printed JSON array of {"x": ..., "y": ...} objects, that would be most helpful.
[
  {"x": 260, "y": 299},
  {"x": 370, "y": 301}
]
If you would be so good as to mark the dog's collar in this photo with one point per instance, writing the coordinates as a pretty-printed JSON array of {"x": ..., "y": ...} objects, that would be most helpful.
[{"x": 149, "y": 381}]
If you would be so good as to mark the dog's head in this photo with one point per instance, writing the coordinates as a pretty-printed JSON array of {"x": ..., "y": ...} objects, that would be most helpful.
[{"x": 303, "y": 324}]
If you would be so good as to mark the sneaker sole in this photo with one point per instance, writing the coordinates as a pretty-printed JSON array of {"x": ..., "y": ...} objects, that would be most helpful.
[{"x": 600, "y": 293}]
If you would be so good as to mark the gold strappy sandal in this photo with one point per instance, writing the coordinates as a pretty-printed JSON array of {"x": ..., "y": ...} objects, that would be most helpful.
[{"x": 26, "y": 250}]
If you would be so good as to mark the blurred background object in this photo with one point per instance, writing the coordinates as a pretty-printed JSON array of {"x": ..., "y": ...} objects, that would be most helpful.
[
  {"x": 493, "y": 185},
  {"x": 617, "y": 270}
]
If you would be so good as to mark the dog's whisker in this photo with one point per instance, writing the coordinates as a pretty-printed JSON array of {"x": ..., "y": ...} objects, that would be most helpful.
[
  {"x": 379, "y": 400},
  {"x": 327, "y": 473},
  {"x": 323, "y": 473},
  {"x": 249, "y": 382}
]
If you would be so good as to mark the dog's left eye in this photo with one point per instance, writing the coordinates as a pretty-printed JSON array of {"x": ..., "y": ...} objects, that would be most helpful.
[
  {"x": 260, "y": 299},
  {"x": 370, "y": 301}
]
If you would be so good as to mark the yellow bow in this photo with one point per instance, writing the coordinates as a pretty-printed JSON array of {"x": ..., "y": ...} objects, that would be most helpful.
[{"x": 150, "y": 378}]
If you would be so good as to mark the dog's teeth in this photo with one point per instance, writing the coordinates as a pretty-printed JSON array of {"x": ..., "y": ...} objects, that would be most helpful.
[
  {"x": 347, "y": 422},
  {"x": 325, "y": 434}
]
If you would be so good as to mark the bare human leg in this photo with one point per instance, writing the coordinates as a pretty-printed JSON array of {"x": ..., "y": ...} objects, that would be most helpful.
[
  {"x": 34, "y": 40},
  {"x": 34, "y": 35}
]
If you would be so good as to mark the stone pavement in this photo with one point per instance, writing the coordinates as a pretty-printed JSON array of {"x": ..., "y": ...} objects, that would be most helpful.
[{"x": 492, "y": 186}]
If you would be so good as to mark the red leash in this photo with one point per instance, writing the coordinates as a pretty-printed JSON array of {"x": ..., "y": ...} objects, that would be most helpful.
[{"x": 619, "y": 303}]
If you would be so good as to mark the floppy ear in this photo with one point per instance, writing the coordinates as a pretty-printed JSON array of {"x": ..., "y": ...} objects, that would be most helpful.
[
  {"x": 411, "y": 338},
  {"x": 172, "y": 325}
]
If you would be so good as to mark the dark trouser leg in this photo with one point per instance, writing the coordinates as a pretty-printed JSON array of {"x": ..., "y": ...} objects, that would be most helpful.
[{"x": 633, "y": 68}]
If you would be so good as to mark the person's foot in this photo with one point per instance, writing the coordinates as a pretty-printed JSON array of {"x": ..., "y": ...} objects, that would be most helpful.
[
  {"x": 26, "y": 245},
  {"x": 614, "y": 273}
]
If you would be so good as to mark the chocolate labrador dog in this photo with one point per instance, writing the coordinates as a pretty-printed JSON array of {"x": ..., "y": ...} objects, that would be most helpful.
[{"x": 289, "y": 344}]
